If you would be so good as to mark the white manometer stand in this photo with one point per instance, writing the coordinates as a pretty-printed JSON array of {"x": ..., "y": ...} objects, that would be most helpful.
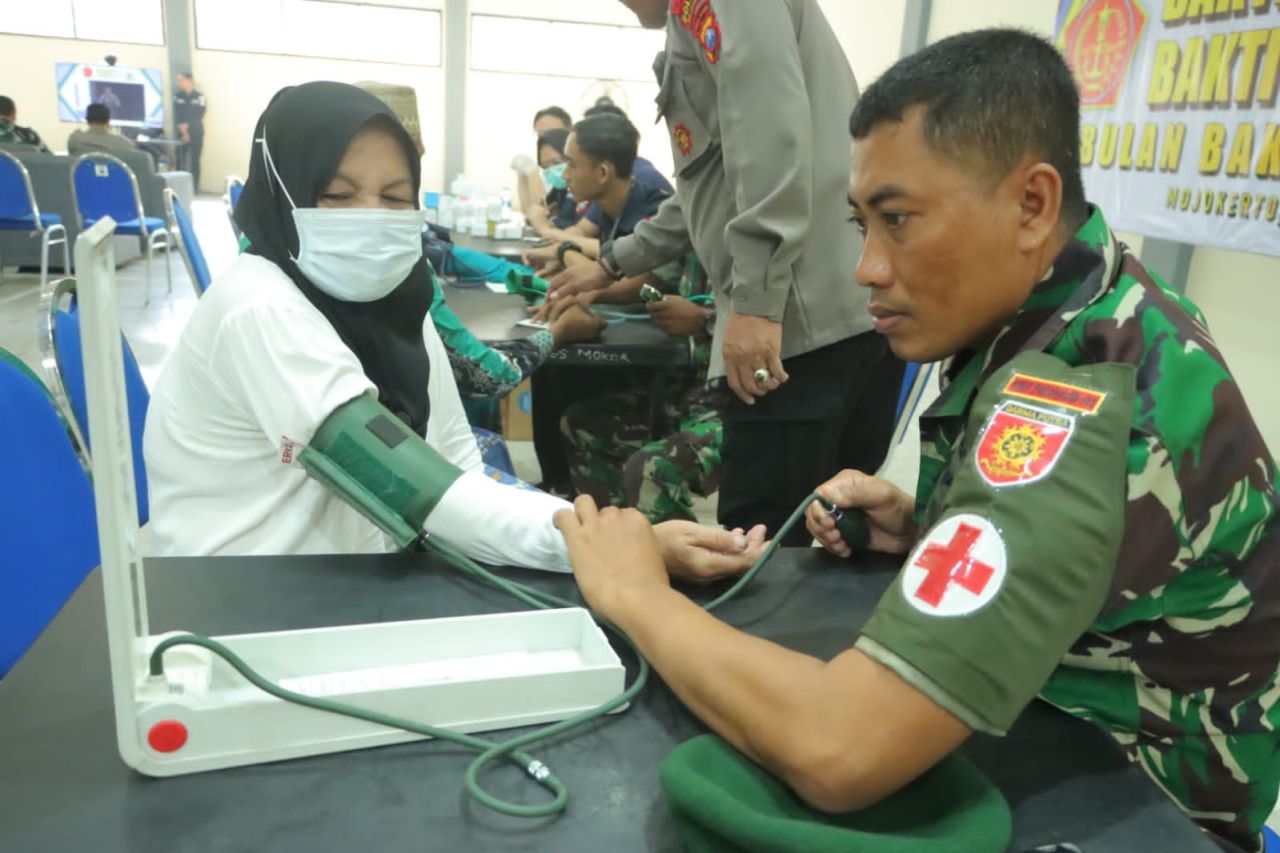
[{"x": 472, "y": 673}]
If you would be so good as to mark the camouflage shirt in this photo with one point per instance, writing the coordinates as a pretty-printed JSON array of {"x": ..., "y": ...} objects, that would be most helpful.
[
  {"x": 12, "y": 133},
  {"x": 1103, "y": 456}
]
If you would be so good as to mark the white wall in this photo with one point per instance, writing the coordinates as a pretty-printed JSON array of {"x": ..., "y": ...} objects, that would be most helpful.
[
  {"x": 500, "y": 106},
  {"x": 238, "y": 87},
  {"x": 1240, "y": 295},
  {"x": 870, "y": 32},
  {"x": 35, "y": 90}
]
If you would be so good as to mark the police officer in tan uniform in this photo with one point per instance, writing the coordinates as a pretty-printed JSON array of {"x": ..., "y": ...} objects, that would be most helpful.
[{"x": 755, "y": 95}]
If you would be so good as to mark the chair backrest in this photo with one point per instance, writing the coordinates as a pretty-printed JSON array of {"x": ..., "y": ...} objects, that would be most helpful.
[
  {"x": 234, "y": 187},
  {"x": 17, "y": 199},
  {"x": 103, "y": 185},
  {"x": 230, "y": 199},
  {"x": 197, "y": 268},
  {"x": 64, "y": 330},
  {"x": 908, "y": 383},
  {"x": 48, "y": 532}
]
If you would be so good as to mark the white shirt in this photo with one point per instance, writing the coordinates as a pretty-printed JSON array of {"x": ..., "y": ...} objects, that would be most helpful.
[{"x": 256, "y": 372}]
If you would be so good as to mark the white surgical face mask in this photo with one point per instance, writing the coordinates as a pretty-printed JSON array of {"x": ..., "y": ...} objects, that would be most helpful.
[{"x": 356, "y": 254}]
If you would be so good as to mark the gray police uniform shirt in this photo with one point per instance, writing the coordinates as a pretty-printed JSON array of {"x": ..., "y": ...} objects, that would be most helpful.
[
  {"x": 93, "y": 139},
  {"x": 756, "y": 95}
]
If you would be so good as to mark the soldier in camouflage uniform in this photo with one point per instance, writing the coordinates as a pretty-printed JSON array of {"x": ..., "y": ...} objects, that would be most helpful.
[
  {"x": 11, "y": 132},
  {"x": 1096, "y": 517},
  {"x": 610, "y": 446}
]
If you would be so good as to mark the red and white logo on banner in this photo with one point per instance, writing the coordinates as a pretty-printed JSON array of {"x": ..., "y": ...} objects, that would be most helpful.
[{"x": 957, "y": 568}]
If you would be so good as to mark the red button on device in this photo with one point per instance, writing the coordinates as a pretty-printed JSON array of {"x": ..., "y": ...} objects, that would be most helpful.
[{"x": 167, "y": 736}]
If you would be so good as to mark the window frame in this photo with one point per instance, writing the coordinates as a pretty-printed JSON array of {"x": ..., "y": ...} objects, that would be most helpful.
[
  {"x": 437, "y": 12},
  {"x": 471, "y": 54},
  {"x": 73, "y": 36}
]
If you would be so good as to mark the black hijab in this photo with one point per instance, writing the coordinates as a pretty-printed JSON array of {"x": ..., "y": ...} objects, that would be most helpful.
[
  {"x": 308, "y": 129},
  {"x": 556, "y": 137}
]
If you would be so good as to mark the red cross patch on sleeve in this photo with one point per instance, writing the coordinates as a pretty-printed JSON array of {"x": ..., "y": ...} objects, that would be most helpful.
[
  {"x": 957, "y": 568},
  {"x": 1021, "y": 443}
]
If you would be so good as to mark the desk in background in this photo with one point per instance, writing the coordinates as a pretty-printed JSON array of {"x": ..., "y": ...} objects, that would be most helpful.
[
  {"x": 511, "y": 250},
  {"x": 64, "y": 789},
  {"x": 493, "y": 316}
]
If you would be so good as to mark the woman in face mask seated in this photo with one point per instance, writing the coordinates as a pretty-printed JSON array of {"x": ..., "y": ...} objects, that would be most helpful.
[
  {"x": 311, "y": 375},
  {"x": 540, "y": 185}
]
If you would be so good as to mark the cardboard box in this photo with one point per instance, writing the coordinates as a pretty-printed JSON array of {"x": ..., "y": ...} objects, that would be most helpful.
[{"x": 517, "y": 413}]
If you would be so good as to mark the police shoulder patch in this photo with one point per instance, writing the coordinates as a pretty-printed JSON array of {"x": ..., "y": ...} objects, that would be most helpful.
[
  {"x": 684, "y": 139},
  {"x": 698, "y": 18},
  {"x": 957, "y": 568}
]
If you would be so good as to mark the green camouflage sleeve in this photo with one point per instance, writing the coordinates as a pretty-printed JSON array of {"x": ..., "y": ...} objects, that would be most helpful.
[{"x": 1021, "y": 557}]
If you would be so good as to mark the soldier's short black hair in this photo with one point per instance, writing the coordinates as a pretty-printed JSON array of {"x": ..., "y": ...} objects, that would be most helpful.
[
  {"x": 8, "y": 108},
  {"x": 990, "y": 97},
  {"x": 609, "y": 138},
  {"x": 556, "y": 112},
  {"x": 97, "y": 114}
]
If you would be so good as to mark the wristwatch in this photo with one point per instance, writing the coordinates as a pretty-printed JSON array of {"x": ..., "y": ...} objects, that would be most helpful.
[
  {"x": 567, "y": 246},
  {"x": 609, "y": 261}
]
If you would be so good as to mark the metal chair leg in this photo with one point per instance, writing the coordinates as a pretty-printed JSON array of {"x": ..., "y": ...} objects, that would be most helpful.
[
  {"x": 66, "y": 253},
  {"x": 168, "y": 257},
  {"x": 44, "y": 259},
  {"x": 147, "y": 301}
]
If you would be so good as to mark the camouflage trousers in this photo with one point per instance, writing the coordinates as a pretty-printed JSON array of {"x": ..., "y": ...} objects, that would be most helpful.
[{"x": 613, "y": 457}]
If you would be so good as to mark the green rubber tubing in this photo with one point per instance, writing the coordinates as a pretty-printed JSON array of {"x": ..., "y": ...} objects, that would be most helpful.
[{"x": 511, "y": 751}]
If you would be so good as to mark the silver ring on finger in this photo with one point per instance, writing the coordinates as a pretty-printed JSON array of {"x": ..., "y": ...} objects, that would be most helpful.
[{"x": 762, "y": 375}]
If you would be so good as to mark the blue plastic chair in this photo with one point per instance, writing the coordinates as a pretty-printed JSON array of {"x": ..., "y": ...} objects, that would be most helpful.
[
  {"x": 64, "y": 371},
  {"x": 914, "y": 379},
  {"x": 192, "y": 254},
  {"x": 102, "y": 185},
  {"x": 20, "y": 212},
  {"x": 48, "y": 532},
  {"x": 908, "y": 382},
  {"x": 230, "y": 198}
]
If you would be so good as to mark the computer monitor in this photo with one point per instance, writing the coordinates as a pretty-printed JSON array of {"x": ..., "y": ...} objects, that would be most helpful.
[{"x": 135, "y": 96}]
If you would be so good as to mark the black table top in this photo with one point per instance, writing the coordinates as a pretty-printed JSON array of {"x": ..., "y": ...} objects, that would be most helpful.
[
  {"x": 63, "y": 787},
  {"x": 493, "y": 316}
]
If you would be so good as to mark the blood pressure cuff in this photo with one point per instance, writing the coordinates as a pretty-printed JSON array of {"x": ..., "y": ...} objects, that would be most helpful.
[
  {"x": 1021, "y": 546},
  {"x": 724, "y": 803},
  {"x": 371, "y": 459}
]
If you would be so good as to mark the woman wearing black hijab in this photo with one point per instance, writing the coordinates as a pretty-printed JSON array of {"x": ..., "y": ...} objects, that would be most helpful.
[{"x": 330, "y": 302}]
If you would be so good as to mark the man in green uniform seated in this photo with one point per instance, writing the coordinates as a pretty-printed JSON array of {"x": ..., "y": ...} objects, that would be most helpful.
[{"x": 1095, "y": 519}]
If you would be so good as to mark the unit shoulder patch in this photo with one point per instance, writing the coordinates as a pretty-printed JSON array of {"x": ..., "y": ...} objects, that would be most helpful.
[
  {"x": 957, "y": 568},
  {"x": 1020, "y": 444},
  {"x": 1074, "y": 397}
]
